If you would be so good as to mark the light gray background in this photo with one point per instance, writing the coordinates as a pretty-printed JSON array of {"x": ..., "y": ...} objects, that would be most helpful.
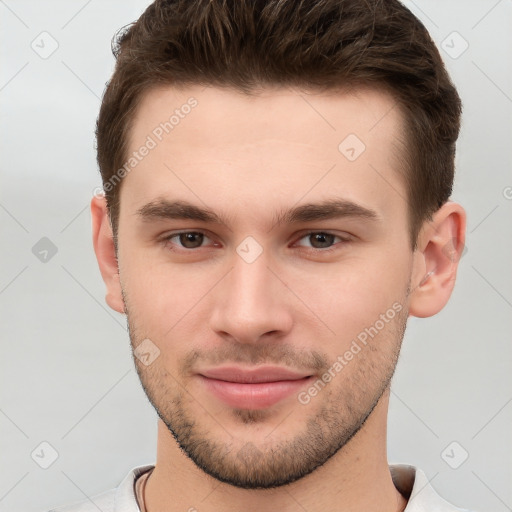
[{"x": 67, "y": 377}]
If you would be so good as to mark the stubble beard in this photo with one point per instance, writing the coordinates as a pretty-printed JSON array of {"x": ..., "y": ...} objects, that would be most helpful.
[{"x": 239, "y": 462}]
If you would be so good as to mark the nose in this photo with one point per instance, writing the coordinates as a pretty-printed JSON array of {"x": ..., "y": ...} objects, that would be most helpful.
[{"x": 251, "y": 303}]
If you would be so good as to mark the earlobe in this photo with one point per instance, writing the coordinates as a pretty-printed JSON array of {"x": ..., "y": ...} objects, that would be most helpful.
[
  {"x": 440, "y": 247},
  {"x": 103, "y": 242}
]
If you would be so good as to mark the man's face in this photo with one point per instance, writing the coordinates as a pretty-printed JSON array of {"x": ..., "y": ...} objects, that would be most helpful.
[{"x": 324, "y": 297}]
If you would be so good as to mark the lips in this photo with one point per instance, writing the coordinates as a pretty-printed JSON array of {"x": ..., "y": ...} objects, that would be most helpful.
[
  {"x": 252, "y": 388},
  {"x": 252, "y": 375}
]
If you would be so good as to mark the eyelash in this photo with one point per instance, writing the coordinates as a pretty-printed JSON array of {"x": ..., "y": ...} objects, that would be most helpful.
[{"x": 166, "y": 240}]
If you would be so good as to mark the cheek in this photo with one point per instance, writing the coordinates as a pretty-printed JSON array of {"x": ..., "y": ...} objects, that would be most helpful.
[
  {"x": 165, "y": 299},
  {"x": 350, "y": 296}
]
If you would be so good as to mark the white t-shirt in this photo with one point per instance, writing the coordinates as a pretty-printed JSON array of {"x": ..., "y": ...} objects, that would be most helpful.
[{"x": 410, "y": 481}]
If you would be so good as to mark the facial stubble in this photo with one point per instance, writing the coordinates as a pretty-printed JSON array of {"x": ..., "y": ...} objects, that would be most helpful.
[{"x": 344, "y": 409}]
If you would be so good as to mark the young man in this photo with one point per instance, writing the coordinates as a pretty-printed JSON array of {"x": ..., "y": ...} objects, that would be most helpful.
[{"x": 277, "y": 177}]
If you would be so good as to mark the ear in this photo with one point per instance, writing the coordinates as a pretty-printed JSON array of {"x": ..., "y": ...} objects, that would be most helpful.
[
  {"x": 103, "y": 241},
  {"x": 436, "y": 259}
]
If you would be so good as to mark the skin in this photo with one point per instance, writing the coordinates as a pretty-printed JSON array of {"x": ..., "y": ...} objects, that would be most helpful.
[{"x": 249, "y": 158}]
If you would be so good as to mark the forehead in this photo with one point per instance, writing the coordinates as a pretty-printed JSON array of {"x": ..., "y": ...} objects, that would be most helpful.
[
  {"x": 225, "y": 148},
  {"x": 223, "y": 114}
]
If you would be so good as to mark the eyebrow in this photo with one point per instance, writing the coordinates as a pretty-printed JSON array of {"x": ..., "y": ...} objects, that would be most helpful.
[{"x": 163, "y": 209}]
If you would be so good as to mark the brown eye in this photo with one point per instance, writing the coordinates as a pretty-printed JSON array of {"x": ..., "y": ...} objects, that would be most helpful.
[
  {"x": 191, "y": 240},
  {"x": 321, "y": 240},
  {"x": 186, "y": 240}
]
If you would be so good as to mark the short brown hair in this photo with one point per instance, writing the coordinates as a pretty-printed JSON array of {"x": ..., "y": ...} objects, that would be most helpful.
[{"x": 314, "y": 44}]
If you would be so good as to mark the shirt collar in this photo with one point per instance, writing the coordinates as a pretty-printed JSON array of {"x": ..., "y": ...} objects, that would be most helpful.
[{"x": 410, "y": 481}]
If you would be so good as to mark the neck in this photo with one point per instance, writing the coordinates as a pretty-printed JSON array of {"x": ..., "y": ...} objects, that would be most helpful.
[{"x": 354, "y": 479}]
